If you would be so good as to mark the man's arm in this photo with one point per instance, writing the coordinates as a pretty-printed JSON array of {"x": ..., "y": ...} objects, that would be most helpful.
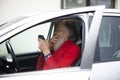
[{"x": 69, "y": 59}]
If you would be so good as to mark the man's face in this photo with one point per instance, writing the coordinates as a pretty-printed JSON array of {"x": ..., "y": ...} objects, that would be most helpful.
[
  {"x": 61, "y": 34},
  {"x": 61, "y": 31}
]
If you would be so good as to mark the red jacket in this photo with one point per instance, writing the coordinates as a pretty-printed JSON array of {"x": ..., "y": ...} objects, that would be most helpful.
[{"x": 67, "y": 55}]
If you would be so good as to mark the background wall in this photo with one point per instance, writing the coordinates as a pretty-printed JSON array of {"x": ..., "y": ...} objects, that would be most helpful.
[
  {"x": 10, "y": 9},
  {"x": 117, "y": 4}
]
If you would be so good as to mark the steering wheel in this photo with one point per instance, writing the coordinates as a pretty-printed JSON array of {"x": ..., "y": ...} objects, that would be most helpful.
[{"x": 11, "y": 52}]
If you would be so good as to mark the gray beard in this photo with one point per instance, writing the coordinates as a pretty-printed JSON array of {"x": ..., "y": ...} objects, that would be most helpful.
[{"x": 58, "y": 44}]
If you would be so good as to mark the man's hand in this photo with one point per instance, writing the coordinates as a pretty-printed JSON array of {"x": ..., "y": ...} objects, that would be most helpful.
[
  {"x": 53, "y": 41},
  {"x": 44, "y": 46}
]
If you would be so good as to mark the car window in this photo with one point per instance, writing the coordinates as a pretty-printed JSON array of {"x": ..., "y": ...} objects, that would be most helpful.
[
  {"x": 108, "y": 40},
  {"x": 26, "y": 42}
]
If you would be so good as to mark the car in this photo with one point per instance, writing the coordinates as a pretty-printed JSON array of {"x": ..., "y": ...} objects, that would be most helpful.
[{"x": 99, "y": 36}]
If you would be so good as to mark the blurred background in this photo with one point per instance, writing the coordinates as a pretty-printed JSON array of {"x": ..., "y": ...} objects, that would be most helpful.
[{"x": 10, "y": 9}]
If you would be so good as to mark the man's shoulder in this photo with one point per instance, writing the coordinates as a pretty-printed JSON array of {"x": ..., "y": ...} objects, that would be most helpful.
[{"x": 75, "y": 46}]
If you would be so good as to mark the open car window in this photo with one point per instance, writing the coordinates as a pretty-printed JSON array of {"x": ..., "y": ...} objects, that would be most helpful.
[{"x": 25, "y": 45}]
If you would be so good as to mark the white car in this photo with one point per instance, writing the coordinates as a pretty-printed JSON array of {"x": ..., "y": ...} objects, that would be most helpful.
[{"x": 99, "y": 38}]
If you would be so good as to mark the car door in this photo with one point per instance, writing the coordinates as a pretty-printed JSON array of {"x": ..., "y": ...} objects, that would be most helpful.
[
  {"x": 106, "y": 64},
  {"x": 81, "y": 72},
  {"x": 25, "y": 48}
]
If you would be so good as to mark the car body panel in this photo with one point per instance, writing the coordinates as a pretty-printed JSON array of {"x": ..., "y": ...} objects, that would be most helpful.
[
  {"x": 89, "y": 49},
  {"x": 106, "y": 71},
  {"x": 64, "y": 74}
]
